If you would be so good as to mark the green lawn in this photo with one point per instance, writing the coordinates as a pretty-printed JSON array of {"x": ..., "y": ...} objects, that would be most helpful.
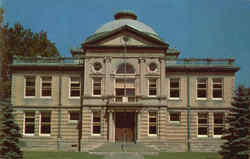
[
  {"x": 59, "y": 155},
  {"x": 185, "y": 155}
]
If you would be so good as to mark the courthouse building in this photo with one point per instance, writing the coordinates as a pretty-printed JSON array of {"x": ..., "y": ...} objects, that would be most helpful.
[{"x": 124, "y": 83}]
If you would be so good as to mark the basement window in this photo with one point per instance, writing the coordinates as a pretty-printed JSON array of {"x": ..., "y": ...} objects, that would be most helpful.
[
  {"x": 74, "y": 116},
  {"x": 175, "y": 117}
]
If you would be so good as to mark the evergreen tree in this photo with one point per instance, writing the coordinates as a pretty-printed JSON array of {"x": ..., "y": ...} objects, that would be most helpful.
[
  {"x": 236, "y": 134},
  {"x": 9, "y": 141}
]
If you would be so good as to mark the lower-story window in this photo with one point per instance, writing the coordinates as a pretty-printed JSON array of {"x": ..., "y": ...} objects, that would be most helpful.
[
  {"x": 218, "y": 123},
  {"x": 29, "y": 123},
  {"x": 96, "y": 126},
  {"x": 45, "y": 123},
  {"x": 203, "y": 124},
  {"x": 175, "y": 116},
  {"x": 152, "y": 129}
]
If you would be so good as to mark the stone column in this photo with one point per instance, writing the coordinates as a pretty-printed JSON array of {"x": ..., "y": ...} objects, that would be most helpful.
[{"x": 111, "y": 125}]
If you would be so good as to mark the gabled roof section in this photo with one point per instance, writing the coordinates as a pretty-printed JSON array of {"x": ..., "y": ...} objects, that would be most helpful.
[{"x": 98, "y": 38}]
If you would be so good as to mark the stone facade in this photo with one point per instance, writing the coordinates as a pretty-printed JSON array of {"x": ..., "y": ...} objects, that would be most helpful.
[{"x": 146, "y": 65}]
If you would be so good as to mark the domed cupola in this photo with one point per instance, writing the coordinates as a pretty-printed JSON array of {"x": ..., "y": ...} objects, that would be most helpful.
[{"x": 128, "y": 18}]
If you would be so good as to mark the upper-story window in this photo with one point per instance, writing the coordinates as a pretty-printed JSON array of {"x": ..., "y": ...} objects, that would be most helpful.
[
  {"x": 217, "y": 88},
  {"x": 125, "y": 68},
  {"x": 46, "y": 86},
  {"x": 152, "y": 87},
  {"x": 202, "y": 88},
  {"x": 125, "y": 83},
  {"x": 97, "y": 86},
  {"x": 75, "y": 87},
  {"x": 174, "y": 88},
  {"x": 125, "y": 89},
  {"x": 30, "y": 86}
]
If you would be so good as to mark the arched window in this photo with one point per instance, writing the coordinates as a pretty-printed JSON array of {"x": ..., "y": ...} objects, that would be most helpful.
[{"x": 125, "y": 68}]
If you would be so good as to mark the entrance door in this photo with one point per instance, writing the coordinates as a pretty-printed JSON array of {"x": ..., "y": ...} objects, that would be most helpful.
[{"x": 125, "y": 126}]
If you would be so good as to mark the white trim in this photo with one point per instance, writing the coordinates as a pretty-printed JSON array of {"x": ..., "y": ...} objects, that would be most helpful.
[
  {"x": 202, "y": 136},
  {"x": 24, "y": 93},
  {"x": 217, "y": 136},
  {"x": 41, "y": 81}
]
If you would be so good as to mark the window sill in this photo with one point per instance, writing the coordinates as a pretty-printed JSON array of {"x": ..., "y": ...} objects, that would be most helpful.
[
  {"x": 217, "y": 136},
  {"x": 44, "y": 134},
  {"x": 174, "y": 122},
  {"x": 174, "y": 99},
  {"x": 49, "y": 97},
  {"x": 96, "y": 135},
  {"x": 74, "y": 97},
  {"x": 152, "y": 135},
  {"x": 219, "y": 99},
  {"x": 29, "y": 97},
  {"x": 201, "y": 99},
  {"x": 73, "y": 121},
  {"x": 28, "y": 135},
  {"x": 202, "y": 136}
]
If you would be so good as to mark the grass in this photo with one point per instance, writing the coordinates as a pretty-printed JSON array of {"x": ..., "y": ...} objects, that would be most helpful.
[
  {"x": 59, "y": 155},
  {"x": 185, "y": 155}
]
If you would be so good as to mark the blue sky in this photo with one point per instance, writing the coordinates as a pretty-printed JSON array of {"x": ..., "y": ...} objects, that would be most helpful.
[{"x": 198, "y": 28}]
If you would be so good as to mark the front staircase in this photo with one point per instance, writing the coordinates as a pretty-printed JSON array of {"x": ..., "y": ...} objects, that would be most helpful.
[{"x": 128, "y": 147}]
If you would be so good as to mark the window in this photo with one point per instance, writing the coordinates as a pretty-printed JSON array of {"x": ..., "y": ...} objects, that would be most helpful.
[
  {"x": 97, "y": 86},
  {"x": 175, "y": 116},
  {"x": 152, "y": 88},
  {"x": 45, "y": 123},
  {"x": 218, "y": 123},
  {"x": 46, "y": 86},
  {"x": 152, "y": 67},
  {"x": 152, "y": 123},
  {"x": 203, "y": 124},
  {"x": 30, "y": 86},
  {"x": 97, "y": 66},
  {"x": 125, "y": 88},
  {"x": 29, "y": 123},
  {"x": 202, "y": 88},
  {"x": 74, "y": 116},
  {"x": 75, "y": 87},
  {"x": 174, "y": 88},
  {"x": 96, "y": 126},
  {"x": 217, "y": 88}
]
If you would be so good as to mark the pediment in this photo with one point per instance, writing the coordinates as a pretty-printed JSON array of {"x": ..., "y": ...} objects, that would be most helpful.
[{"x": 136, "y": 38}]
